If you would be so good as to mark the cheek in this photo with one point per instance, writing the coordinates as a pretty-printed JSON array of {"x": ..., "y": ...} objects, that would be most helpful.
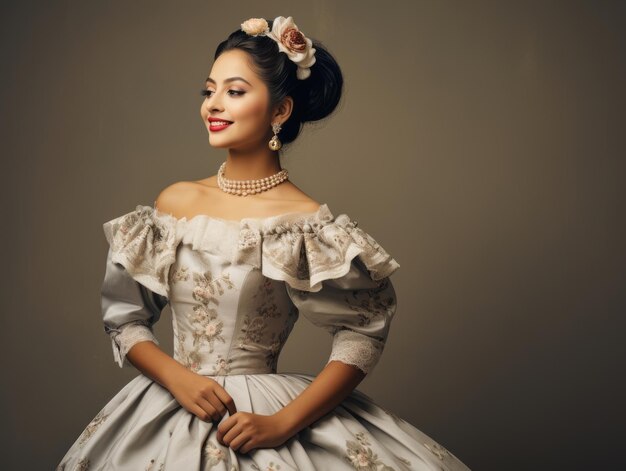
[{"x": 251, "y": 111}]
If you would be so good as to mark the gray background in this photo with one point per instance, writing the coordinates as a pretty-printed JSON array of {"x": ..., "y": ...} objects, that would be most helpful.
[{"x": 478, "y": 142}]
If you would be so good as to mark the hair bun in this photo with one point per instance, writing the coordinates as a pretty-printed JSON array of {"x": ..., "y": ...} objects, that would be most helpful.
[
  {"x": 325, "y": 86},
  {"x": 314, "y": 98}
]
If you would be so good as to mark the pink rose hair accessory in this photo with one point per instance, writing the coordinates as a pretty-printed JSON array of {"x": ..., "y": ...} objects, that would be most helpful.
[
  {"x": 289, "y": 38},
  {"x": 255, "y": 26}
]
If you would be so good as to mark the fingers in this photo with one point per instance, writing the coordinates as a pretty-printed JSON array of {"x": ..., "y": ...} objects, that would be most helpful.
[
  {"x": 226, "y": 399},
  {"x": 200, "y": 412},
  {"x": 209, "y": 401},
  {"x": 212, "y": 402},
  {"x": 239, "y": 443},
  {"x": 210, "y": 413},
  {"x": 232, "y": 435}
]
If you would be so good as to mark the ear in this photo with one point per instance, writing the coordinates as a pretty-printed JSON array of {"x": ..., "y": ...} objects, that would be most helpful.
[{"x": 283, "y": 110}]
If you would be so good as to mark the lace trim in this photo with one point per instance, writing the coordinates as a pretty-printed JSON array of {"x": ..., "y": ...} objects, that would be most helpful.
[
  {"x": 124, "y": 338},
  {"x": 308, "y": 255},
  {"x": 301, "y": 249},
  {"x": 356, "y": 349},
  {"x": 144, "y": 245}
]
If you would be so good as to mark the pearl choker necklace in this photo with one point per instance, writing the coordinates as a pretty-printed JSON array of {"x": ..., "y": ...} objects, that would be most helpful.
[{"x": 249, "y": 187}]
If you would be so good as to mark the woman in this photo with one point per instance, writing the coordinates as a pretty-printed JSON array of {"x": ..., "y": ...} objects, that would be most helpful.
[{"x": 238, "y": 263}]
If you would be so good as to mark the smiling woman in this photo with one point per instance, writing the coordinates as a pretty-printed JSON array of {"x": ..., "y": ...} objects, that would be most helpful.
[
  {"x": 245, "y": 85},
  {"x": 238, "y": 257},
  {"x": 236, "y": 107}
]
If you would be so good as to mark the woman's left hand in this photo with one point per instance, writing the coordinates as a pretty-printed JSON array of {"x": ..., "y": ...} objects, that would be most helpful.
[{"x": 244, "y": 431}]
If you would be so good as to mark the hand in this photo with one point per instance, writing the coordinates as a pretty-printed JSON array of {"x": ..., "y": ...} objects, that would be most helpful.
[
  {"x": 245, "y": 431},
  {"x": 201, "y": 396}
]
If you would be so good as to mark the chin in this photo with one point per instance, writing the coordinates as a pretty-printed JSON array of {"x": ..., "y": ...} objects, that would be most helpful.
[{"x": 220, "y": 143}]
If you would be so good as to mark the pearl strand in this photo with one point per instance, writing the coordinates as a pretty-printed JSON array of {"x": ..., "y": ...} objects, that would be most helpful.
[{"x": 249, "y": 187}]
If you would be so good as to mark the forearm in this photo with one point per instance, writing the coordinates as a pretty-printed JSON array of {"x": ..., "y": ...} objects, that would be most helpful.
[
  {"x": 331, "y": 386},
  {"x": 154, "y": 363}
]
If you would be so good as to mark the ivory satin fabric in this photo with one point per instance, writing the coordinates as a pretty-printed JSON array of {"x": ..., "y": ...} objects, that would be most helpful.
[{"x": 236, "y": 289}]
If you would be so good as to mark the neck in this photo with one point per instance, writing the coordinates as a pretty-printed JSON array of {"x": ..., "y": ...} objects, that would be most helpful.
[{"x": 251, "y": 166}]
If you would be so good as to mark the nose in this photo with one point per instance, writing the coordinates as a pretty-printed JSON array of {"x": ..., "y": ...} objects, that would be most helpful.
[{"x": 213, "y": 104}]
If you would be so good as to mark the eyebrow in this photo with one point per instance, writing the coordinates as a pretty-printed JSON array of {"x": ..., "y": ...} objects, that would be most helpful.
[{"x": 230, "y": 79}]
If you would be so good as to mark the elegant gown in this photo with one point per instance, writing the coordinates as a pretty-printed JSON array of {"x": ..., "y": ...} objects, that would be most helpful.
[{"x": 236, "y": 289}]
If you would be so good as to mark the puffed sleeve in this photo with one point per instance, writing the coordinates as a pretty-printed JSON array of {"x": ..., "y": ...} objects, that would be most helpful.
[
  {"x": 356, "y": 310},
  {"x": 129, "y": 310},
  {"x": 135, "y": 289},
  {"x": 338, "y": 277}
]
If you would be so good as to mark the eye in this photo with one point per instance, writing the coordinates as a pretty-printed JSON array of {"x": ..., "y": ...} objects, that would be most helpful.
[{"x": 208, "y": 93}]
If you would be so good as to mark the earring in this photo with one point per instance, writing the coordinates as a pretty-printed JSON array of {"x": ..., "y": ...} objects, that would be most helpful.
[{"x": 275, "y": 143}]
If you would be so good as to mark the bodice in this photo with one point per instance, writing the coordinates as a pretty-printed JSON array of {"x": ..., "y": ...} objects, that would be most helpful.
[
  {"x": 236, "y": 288},
  {"x": 227, "y": 318}
]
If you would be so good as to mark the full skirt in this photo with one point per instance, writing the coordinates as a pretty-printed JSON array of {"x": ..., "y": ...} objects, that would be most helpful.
[{"x": 143, "y": 427}]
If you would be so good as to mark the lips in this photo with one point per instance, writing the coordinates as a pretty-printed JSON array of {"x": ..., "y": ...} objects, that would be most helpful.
[{"x": 216, "y": 124}]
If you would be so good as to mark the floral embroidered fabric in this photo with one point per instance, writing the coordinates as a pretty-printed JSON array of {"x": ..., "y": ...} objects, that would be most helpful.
[
  {"x": 302, "y": 249},
  {"x": 236, "y": 290},
  {"x": 290, "y": 256}
]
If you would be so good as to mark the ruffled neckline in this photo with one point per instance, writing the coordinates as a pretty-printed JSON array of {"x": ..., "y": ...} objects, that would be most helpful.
[
  {"x": 300, "y": 248},
  {"x": 264, "y": 225}
]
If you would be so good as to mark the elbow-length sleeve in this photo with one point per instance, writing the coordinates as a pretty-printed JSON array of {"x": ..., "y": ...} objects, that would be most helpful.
[
  {"x": 338, "y": 277},
  {"x": 129, "y": 310},
  {"x": 135, "y": 289},
  {"x": 356, "y": 310}
]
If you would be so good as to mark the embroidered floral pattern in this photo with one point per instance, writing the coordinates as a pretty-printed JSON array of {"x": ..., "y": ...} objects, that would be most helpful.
[
  {"x": 296, "y": 250},
  {"x": 145, "y": 245},
  {"x": 150, "y": 466},
  {"x": 208, "y": 288},
  {"x": 212, "y": 454},
  {"x": 208, "y": 326},
  {"x": 362, "y": 457},
  {"x": 222, "y": 365},
  {"x": 82, "y": 465},
  {"x": 270, "y": 467},
  {"x": 180, "y": 274},
  {"x": 91, "y": 428},
  {"x": 205, "y": 321},
  {"x": 358, "y": 338},
  {"x": 278, "y": 340},
  {"x": 255, "y": 324},
  {"x": 371, "y": 302},
  {"x": 248, "y": 238},
  {"x": 439, "y": 451},
  {"x": 190, "y": 359},
  {"x": 321, "y": 250}
]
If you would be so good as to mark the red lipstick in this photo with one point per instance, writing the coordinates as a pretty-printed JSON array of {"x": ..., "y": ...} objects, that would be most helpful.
[{"x": 217, "y": 124}]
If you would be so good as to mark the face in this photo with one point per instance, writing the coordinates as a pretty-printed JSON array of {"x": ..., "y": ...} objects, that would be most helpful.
[{"x": 243, "y": 101}]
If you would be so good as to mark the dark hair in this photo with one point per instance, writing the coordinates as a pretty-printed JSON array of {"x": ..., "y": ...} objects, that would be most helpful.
[{"x": 314, "y": 98}]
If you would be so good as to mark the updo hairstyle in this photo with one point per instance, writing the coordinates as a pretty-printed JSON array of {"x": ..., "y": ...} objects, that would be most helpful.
[{"x": 314, "y": 98}]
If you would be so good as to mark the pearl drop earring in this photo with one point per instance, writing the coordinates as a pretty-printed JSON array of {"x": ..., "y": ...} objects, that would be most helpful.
[{"x": 275, "y": 143}]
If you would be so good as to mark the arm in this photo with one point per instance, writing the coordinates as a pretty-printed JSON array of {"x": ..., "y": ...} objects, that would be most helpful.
[
  {"x": 357, "y": 311},
  {"x": 331, "y": 386},
  {"x": 154, "y": 363},
  {"x": 130, "y": 311}
]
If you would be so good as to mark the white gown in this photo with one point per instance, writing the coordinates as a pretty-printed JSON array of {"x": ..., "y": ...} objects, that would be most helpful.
[{"x": 236, "y": 289}]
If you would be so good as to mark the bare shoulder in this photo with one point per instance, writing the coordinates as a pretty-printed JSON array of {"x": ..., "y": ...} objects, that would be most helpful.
[
  {"x": 176, "y": 196},
  {"x": 308, "y": 206},
  {"x": 298, "y": 200},
  {"x": 187, "y": 198}
]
